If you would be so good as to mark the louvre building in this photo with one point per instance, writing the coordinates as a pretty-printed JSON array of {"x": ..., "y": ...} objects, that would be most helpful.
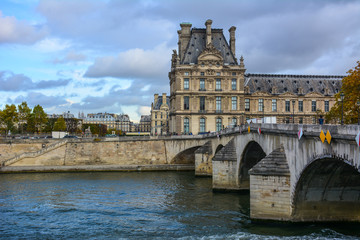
[{"x": 210, "y": 89}]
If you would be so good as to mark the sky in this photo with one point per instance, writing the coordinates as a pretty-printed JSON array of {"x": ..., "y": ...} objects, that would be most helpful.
[{"x": 112, "y": 56}]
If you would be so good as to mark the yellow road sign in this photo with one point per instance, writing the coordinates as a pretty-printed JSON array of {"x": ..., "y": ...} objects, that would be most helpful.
[
  {"x": 322, "y": 136},
  {"x": 328, "y": 137}
]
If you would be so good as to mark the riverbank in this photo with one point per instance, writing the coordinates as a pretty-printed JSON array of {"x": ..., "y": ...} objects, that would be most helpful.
[{"x": 98, "y": 168}]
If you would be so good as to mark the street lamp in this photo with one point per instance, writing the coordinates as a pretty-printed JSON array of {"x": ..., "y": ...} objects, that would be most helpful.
[
  {"x": 293, "y": 103},
  {"x": 342, "y": 107},
  {"x": 358, "y": 105}
]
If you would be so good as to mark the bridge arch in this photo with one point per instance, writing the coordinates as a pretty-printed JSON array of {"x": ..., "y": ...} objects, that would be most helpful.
[
  {"x": 251, "y": 155},
  {"x": 327, "y": 190},
  {"x": 186, "y": 156}
]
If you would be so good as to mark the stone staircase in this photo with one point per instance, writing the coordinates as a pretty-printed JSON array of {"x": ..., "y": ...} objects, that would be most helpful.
[{"x": 47, "y": 149}]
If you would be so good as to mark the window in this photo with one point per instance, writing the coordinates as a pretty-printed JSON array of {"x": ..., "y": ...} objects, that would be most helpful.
[
  {"x": 233, "y": 122},
  {"x": 313, "y": 106},
  {"x": 301, "y": 106},
  {"x": 300, "y": 120},
  {"x": 186, "y": 103},
  {"x": 161, "y": 116},
  {"x": 233, "y": 103},
  {"x": 202, "y": 103},
  {"x": 326, "y": 106},
  {"x": 186, "y": 125},
  {"x": 218, "y": 84},
  {"x": 218, "y": 103},
  {"x": 261, "y": 105},
  {"x": 233, "y": 84},
  {"x": 233, "y": 73},
  {"x": 217, "y": 74},
  {"x": 202, "y": 84},
  {"x": 287, "y": 120},
  {"x": 287, "y": 106},
  {"x": 186, "y": 73},
  {"x": 314, "y": 120},
  {"x": 247, "y": 104},
  {"x": 155, "y": 115},
  {"x": 202, "y": 74},
  {"x": 274, "y": 105},
  {"x": 202, "y": 124},
  {"x": 186, "y": 84},
  {"x": 218, "y": 124}
]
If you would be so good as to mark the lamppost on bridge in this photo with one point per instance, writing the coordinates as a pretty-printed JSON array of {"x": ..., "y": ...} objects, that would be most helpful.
[
  {"x": 358, "y": 108},
  {"x": 293, "y": 116},
  {"x": 342, "y": 107}
]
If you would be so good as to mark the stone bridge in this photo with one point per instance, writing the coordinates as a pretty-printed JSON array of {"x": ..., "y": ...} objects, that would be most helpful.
[
  {"x": 289, "y": 179},
  {"x": 292, "y": 179}
]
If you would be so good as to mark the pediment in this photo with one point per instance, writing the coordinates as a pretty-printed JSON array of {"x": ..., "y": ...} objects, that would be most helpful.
[
  {"x": 261, "y": 93},
  {"x": 210, "y": 53},
  {"x": 313, "y": 94},
  {"x": 288, "y": 94}
]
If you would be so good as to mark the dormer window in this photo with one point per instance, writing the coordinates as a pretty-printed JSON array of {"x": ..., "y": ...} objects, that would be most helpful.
[{"x": 186, "y": 73}]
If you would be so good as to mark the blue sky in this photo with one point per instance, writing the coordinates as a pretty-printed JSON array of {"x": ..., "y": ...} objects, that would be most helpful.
[{"x": 112, "y": 56}]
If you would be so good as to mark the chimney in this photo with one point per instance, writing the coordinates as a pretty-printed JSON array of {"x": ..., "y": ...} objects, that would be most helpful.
[
  {"x": 184, "y": 38},
  {"x": 164, "y": 98},
  {"x": 155, "y": 98},
  {"x": 208, "y": 31},
  {"x": 232, "y": 39}
]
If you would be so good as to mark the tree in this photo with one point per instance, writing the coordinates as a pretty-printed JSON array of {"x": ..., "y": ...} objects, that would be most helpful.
[
  {"x": 40, "y": 118},
  {"x": 60, "y": 124},
  {"x": 9, "y": 116},
  {"x": 24, "y": 114},
  {"x": 351, "y": 90}
]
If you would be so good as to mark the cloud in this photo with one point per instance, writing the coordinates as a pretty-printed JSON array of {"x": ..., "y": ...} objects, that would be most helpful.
[
  {"x": 70, "y": 57},
  {"x": 19, "y": 82},
  {"x": 52, "y": 45},
  {"x": 15, "y": 31},
  {"x": 134, "y": 64},
  {"x": 35, "y": 98},
  {"x": 144, "y": 110}
]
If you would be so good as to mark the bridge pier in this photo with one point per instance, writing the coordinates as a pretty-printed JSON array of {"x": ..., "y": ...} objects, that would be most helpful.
[
  {"x": 225, "y": 168},
  {"x": 270, "y": 196},
  {"x": 203, "y": 163}
]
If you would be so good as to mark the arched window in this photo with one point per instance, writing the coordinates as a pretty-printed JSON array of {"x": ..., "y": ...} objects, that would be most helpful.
[
  {"x": 186, "y": 125},
  {"x": 218, "y": 124},
  {"x": 202, "y": 124}
]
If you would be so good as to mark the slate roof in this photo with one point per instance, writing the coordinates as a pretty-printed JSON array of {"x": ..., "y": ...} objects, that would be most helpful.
[
  {"x": 145, "y": 118},
  {"x": 197, "y": 44},
  {"x": 274, "y": 164},
  {"x": 159, "y": 102},
  {"x": 292, "y": 83}
]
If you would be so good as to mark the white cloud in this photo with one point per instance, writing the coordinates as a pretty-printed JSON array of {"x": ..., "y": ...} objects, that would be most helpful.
[
  {"x": 134, "y": 63},
  {"x": 15, "y": 31},
  {"x": 144, "y": 110},
  {"x": 52, "y": 45}
]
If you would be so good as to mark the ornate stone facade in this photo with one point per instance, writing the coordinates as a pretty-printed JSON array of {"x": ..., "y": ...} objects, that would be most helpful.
[
  {"x": 209, "y": 89},
  {"x": 160, "y": 115}
]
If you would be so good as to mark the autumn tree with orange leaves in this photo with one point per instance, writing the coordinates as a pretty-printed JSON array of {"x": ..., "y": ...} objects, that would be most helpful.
[{"x": 351, "y": 90}]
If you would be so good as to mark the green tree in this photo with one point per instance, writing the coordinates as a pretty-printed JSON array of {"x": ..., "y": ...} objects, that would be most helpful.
[
  {"x": 351, "y": 90},
  {"x": 60, "y": 124},
  {"x": 24, "y": 114},
  {"x": 9, "y": 116},
  {"x": 40, "y": 118}
]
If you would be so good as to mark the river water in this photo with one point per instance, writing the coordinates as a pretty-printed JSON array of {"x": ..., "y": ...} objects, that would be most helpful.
[{"x": 151, "y": 205}]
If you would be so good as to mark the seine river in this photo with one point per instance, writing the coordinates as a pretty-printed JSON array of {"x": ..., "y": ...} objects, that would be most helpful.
[{"x": 147, "y": 205}]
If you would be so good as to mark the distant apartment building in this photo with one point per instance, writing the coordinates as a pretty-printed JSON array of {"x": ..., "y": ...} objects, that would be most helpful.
[
  {"x": 160, "y": 115},
  {"x": 111, "y": 120},
  {"x": 145, "y": 123},
  {"x": 64, "y": 115}
]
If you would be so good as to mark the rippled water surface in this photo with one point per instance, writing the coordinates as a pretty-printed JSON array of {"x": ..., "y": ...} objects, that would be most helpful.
[{"x": 117, "y": 205}]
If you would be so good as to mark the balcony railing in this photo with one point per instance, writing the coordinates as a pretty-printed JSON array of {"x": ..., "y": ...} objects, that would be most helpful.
[
  {"x": 218, "y": 111},
  {"x": 202, "y": 89},
  {"x": 218, "y": 89},
  {"x": 202, "y": 111}
]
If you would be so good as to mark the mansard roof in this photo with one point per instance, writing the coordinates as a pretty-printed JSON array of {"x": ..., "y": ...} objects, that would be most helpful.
[
  {"x": 159, "y": 102},
  {"x": 297, "y": 84},
  {"x": 145, "y": 118},
  {"x": 197, "y": 44}
]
